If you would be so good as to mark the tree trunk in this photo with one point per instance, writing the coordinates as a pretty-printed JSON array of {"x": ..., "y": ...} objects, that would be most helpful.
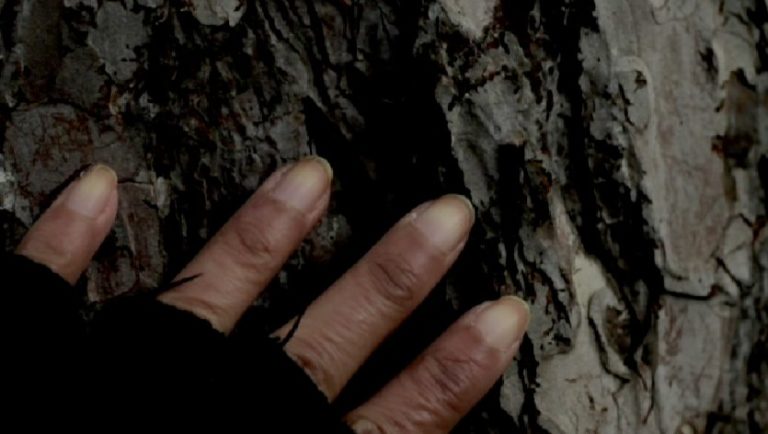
[{"x": 616, "y": 150}]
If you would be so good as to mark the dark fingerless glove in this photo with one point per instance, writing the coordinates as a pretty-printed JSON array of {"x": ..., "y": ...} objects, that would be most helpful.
[{"x": 141, "y": 363}]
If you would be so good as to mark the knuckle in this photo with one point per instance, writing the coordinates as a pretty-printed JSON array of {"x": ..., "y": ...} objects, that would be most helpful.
[
  {"x": 446, "y": 377},
  {"x": 256, "y": 243},
  {"x": 394, "y": 278}
]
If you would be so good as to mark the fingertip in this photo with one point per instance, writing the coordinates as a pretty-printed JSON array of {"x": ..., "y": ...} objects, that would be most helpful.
[
  {"x": 324, "y": 163},
  {"x": 503, "y": 323},
  {"x": 90, "y": 195},
  {"x": 470, "y": 208},
  {"x": 109, "y": 214},
  {"x": 521, "y": 307},
  {"x": 305, "y": 185},
  {"x": 445, "y": 222}
]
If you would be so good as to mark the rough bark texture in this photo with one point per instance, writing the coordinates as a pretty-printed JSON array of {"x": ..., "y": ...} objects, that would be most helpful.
[{"x": 617, "y": 151}]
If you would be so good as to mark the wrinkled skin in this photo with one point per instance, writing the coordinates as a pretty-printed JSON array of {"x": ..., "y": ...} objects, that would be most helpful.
[{"x": 376, "y": 295}]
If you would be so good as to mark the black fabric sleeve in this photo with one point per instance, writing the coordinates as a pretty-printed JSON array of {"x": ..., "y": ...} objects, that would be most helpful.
[
  {"x": 42, "y": 333},
  {"x": 39, "y": 306},
  {"x": 143, "y": 364}
]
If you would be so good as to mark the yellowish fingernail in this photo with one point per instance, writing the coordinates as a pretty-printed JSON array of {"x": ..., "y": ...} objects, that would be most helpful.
[
  {"x": 304, "y": 184},
  {"x": 91, "y": 193},
  {"x": 365, "y": 427},
  {"x": 446, "y": 222},
  {"x": 503, "y": 323},
  {"x": 323, "y": 162}
]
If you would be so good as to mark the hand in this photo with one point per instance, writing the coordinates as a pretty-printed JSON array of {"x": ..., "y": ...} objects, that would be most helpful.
[{"x": 341, "y": 329}]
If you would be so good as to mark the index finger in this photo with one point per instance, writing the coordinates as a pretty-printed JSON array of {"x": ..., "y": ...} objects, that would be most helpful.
[{"x": 68, "y": 234}]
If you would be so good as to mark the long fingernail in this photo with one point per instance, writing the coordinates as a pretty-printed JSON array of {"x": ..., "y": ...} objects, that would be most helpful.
[
  {"x": 304, "y": 184},
  {"x": 91, "y": 193},
  {"x": 503, "y": 323},
  {"x": 446, "y": 222}
]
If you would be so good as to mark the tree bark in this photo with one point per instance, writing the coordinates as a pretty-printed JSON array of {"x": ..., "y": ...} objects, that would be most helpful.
[{"x": 616, "y": 150}]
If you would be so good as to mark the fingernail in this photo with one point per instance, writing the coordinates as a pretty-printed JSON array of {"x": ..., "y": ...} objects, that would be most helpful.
[
  {"x": 363, "y": 426},
  {"x": 503, "y": 323},
  {"x": 91, "y": 193},
  {"x": 446, "y": 222},
  {"x": 326, "y": 165},
  {"x": 304, "y": 184}
]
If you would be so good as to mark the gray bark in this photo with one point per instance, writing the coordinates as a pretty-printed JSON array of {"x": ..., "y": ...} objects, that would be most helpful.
[{"x": 617, "y": 151}]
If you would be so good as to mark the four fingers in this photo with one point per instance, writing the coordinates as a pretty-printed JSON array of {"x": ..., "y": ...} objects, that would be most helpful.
[
  {"x": 68, "y": 234},
  {"x": 344, "y": 326}
]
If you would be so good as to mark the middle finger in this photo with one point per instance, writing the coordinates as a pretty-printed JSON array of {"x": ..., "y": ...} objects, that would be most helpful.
[{"x": 341, "y": 329}]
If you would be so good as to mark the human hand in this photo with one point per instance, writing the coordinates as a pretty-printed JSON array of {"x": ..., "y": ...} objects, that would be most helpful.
[{"x": 340, "y": 329}]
